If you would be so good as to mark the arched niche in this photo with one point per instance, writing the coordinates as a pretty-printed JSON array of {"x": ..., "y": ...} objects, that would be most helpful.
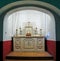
[
  {"x": 51, "y": 24},
  {"x": 39, "y": 4}
]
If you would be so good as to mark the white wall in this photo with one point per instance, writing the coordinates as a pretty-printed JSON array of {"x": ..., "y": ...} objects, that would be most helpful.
[{"x": 38, "y": 19}]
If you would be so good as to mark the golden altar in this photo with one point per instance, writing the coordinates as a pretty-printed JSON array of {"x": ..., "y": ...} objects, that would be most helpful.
[{"x": 28, "y": 43}]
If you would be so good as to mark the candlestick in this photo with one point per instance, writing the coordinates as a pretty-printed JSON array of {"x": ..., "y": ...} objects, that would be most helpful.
[
  {"x": 36, "y": 30},
  {"x": 20, "y": 31},
  {"x": 16, "y": 32},
  {"x": 40, "y": 32}
]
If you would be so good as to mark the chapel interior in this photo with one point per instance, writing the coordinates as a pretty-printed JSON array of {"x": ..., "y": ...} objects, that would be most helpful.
[
  {"x": 29, "y": 30},
  {"x": 29, "y": 39}
]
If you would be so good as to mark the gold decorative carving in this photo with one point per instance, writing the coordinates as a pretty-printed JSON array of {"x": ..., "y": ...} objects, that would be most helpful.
[
  {"x": 17, "y": 44},
  {"x": 28, "y": 34},
  {"x": 39, "y": 43},
  {"x": 28, "y": 43}
]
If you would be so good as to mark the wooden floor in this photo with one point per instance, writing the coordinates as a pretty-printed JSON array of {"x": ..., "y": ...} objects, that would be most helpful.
[{"x": 30, "y": 56}]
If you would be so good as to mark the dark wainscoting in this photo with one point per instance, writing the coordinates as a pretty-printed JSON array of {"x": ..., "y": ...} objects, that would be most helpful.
[
  {"x": 57, "y": 50},
  {"x": 1, "y": 51}
]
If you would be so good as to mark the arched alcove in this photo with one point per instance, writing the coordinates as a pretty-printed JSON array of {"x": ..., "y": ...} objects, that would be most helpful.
[
  {"x": 42, "y": 18},
  {"x": 4, "y": 12}
]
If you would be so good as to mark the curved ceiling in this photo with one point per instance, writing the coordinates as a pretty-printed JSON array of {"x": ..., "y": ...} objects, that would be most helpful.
[{"x": 39, "y": 3}]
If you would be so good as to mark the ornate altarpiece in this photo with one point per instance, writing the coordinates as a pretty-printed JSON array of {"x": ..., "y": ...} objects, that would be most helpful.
[{"x": 29, "y": 41}]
